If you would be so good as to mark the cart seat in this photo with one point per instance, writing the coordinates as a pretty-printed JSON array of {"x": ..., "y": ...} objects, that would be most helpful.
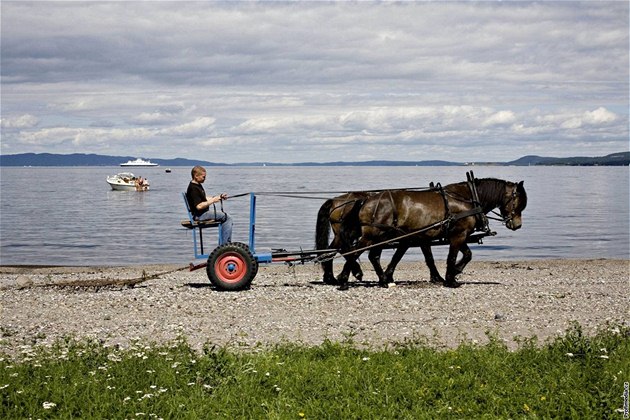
[{"x": 191, "y": 223}]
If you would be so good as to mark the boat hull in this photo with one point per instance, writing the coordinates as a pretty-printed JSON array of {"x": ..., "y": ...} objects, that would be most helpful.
[{"x": 122, "y": 187}]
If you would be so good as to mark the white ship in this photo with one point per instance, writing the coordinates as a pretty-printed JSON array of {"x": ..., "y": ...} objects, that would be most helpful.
[{"x": 139, "y": 162}]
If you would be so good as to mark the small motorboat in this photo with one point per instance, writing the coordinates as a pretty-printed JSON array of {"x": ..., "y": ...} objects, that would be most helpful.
[{"x": 126, "y": 181}]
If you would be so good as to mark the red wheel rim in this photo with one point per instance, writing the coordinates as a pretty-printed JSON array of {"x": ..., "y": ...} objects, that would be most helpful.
[{"x": 230, "y": 267}]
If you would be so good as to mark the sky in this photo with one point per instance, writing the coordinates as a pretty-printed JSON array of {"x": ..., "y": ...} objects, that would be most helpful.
[{"x": 294, "y": 82}]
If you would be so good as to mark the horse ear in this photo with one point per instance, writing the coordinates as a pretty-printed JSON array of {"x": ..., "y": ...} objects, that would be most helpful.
[{"x": 520, "y": 184}]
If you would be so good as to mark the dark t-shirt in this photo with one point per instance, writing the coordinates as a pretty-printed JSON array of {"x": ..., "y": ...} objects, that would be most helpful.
[{"x": 195, "y": 194}]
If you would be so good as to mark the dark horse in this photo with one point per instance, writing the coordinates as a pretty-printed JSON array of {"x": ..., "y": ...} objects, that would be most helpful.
[
  {"x": 415, "y": 218},
  {"x": 332, "y": 215}
]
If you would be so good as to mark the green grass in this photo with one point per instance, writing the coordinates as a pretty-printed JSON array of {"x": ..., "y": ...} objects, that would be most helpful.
[{"x": 573, "y": 376}]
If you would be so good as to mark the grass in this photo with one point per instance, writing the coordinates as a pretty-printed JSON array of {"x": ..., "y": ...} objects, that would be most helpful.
[{"x": 573, "y": 376}]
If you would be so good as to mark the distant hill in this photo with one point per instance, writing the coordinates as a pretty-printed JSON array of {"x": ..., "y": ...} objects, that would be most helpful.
[
  {"x": 82, "y": 159},
  {"x": 615, "y": 159}
]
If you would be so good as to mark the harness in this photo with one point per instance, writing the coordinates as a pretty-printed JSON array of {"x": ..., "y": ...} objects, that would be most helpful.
[{"x": 446, "y": 223}]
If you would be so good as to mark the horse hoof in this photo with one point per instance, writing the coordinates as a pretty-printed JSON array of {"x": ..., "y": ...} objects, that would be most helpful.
[
  {"x": 331, "y": 281},
  {"x": 452, "y": 284},
  {"x": 344, "y": 286},
  {"x": 438, "y": 280},
  {"x": 359, "y": 276}
]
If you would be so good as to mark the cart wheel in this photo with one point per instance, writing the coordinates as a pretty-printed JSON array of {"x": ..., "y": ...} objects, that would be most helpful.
[{"x": 232, "y": 266}]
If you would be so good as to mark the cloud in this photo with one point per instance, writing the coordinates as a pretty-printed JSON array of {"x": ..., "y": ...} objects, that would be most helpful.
[
  {"x": 22, "y": 121},
  {"x": 315, "y": 81}
]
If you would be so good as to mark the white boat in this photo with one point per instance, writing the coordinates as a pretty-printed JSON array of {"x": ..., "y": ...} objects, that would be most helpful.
[
  {"x": 139, "y": 162},
  {"x": 126, "y": 181}
]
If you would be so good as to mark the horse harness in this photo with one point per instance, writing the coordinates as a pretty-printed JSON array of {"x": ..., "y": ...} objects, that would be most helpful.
[{"x": 446, "y": 223}]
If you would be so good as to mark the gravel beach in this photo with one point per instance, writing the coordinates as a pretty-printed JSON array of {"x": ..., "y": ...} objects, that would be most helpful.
[{"x": 506, "y": 299}]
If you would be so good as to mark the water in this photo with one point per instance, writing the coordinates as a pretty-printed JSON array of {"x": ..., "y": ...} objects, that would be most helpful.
[{"x": 70, "y": 216}]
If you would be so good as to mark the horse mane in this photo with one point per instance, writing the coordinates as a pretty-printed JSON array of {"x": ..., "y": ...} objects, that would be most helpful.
[{"x": 491, "y": 190}]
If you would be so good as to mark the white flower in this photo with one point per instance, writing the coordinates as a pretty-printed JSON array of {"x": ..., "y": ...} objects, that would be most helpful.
[{"x": 49, "y": 405}]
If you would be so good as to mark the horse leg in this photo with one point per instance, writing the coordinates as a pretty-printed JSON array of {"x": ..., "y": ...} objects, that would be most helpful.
[
  {"x": 430, "y": 262},
  {"x": 400, "y": 252},
  {"x": 466, "y": 257},
  {"x": 342, "y": 278},
  {"x": 356, "y": 270},
  {"x": 327, "y": 266},
  {"x": 451, "y": 260},
  {"x": 375, "y": 258},
  {"x": 329, "y": 276}
]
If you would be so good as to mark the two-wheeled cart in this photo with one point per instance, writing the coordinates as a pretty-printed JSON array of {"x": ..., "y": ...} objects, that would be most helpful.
[{"x": 233, "y": 265}]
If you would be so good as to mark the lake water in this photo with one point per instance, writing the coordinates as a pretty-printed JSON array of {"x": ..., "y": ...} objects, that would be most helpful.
[{"x": 70, "y": 216}]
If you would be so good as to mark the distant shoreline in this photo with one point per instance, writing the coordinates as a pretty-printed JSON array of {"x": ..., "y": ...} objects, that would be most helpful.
[{"x": 82, "y": 159}]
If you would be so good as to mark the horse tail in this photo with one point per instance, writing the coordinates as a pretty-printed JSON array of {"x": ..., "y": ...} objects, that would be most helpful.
[{"x": 322, "y": 227}]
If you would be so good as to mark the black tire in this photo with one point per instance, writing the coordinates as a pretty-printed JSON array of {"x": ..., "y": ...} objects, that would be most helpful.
[{"x": 232, "y": 267}]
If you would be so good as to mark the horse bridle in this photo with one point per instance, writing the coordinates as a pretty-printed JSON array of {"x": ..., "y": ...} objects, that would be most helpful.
[{"x": 509, "y": 215}]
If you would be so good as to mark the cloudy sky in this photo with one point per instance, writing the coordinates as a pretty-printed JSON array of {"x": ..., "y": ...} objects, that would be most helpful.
[{"x": 314, "y": 81}]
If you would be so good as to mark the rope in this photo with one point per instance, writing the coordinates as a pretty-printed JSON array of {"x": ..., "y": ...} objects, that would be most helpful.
[
  {"x": 108, "y": 282},
  {"x": 304, "y": 194}
]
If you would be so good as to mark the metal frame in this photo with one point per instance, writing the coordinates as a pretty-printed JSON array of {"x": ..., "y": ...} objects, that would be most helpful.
[{"x": 199, "y": 226}]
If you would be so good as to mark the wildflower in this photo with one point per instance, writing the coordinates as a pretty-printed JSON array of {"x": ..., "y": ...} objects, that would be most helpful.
[
  {"x": 526, "y": 407},
  {"x": 570, "y": 354},
  {"x": 301, "y": 414},
  {"x": 543, "y": 398},
  {"x": 603, "y": 356},
  {"x": 49, "y": 405},
  {"x": 365, "y": 359},
  {"x": 4, "y": 386}
]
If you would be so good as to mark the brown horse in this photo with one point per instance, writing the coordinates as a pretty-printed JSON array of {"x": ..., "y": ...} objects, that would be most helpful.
[
  {"x": 332, "y": 214},
  {"x": 415, "y": 218}
]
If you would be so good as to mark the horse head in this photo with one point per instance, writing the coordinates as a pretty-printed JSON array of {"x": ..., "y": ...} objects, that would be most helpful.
[{"x": 514, "y": 203}]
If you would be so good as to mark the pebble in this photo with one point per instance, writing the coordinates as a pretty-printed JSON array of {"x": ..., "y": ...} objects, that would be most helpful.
[{"x": 505, "y": 299}]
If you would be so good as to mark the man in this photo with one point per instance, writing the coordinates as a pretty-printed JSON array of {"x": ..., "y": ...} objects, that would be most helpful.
[{"x": 203, "y": 207}]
